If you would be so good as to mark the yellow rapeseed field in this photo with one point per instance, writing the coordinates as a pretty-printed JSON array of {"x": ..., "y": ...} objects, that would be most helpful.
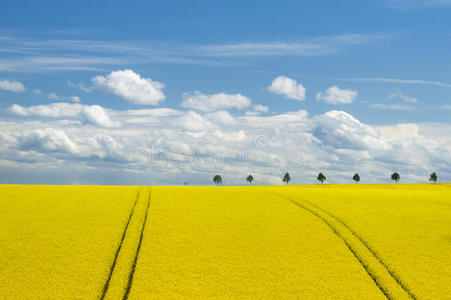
[
  {"x": 304, "y": 242},
  {"x": 58, "y": 242}
]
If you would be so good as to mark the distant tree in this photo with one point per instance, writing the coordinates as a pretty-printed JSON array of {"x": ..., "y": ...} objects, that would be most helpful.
[
  {"x": 286, "y": 178},
  {"x": 356, "y": 178},
  {"x": 433, "y": 177},
  {"x": 217, "y": 179},
  {"x": 321, "y": 177},
  {"x": 395, "y": 177},
  {"x": 185, "y": 183},
  {"x": 250, "y": 178}
]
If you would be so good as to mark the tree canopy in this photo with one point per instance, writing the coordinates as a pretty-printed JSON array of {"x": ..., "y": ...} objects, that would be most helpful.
[
  {"x": 395, "y": 177},
  {"x": 321, "y": 177},
  {"x": 217, "y": 179},
  {"x": 433, "y": 177},
  {"x": 286, "y": 178}
]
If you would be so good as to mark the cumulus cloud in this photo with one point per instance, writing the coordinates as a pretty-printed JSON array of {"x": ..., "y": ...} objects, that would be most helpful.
[
  {"x": 258, "y": 110},
  {"x": 54, "y": 96},
  {"x": 88, "y": 114},
  {"x": 342, "y": 131},
  {"x": 335, "y": 95},
  {"x": 47, "y": 140},
  {"x": 54, "y": 110},
  {"x": 400, "y": 131},
  {"x": 96, "y": 115},
  {"x": 131, "y": 86},
  {"x": 403, "y": 97},
  {"x": 202, "y": 102},
  {"x": 288, "y": 87},
  {"x": 168, "y": 146},
  {"x": 12, "y": 86}
]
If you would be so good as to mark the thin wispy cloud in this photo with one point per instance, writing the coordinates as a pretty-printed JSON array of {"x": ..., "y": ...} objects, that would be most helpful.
[
  {"x": 22, "y": 55},
  {"x": 411, "y": 4},
  {"x": 377, "y": 80},
  {"x": 398, "y": 107},
  {"x": 395, "y": 80}
]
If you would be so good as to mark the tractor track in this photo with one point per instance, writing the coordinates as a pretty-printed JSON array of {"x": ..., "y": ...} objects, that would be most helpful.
[
  {"x": 116, "y": 255},
  {"x": 135, "y": 260},
  {"x": 386, "y": 290},
  {"x": 370, "y": 249}
]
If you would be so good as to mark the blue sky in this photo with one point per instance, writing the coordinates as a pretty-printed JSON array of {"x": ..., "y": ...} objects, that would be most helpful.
[{"x": 383, "y": 65}]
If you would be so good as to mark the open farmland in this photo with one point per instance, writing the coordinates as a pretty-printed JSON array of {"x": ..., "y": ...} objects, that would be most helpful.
[{"x": 323, "y": 241}]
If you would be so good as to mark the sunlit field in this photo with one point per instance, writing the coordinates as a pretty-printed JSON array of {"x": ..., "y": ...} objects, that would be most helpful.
[{"x": 316, "y": 241}]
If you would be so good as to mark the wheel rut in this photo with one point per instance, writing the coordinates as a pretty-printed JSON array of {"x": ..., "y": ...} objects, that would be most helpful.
[
  {"x": 118, "y": 249},
  {"x": 118, "y": 283},
  {"x": 385, "y": 279}
]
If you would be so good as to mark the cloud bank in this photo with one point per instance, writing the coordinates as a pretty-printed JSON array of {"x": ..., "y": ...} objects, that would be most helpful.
[{"x": 168, "y": 146}]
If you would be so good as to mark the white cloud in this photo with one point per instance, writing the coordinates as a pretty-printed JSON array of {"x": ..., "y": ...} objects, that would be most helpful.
[
  {"x": 53, "y": 110},
  {"x": 403, "y": 97},
  {"x": 341, "y": 130},
  {"x": 131, "y": 86},
  {"x": 169, "y": 146},
  {"x": 289, "y": 87},
  {"x": 75, "y": 99},
  {"x": 400, "y": 107},
  {"x": 335, "y": 95},
  {"x": 410, "y": 4},
  {"x": 54, "y": 96},
  {"x": 12, "y": 86},
  {"x": 399, "y": 131},
  {"x": 89, "y": 114},
  {"x": 261, "y": 108},
  {"x": 258, "y": 110},
  {"x": 202, "y": 102},
  {"x": 396, "y": 80},
  {"x": 323, "y": 45},
  {"x": 47, "y": 139},
  {"x": 193, "y": 121},
  {"x": 97, "y": 116}
]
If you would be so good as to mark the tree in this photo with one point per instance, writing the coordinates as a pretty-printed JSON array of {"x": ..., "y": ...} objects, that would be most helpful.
[
  {"x": 286, "y": 178},
  {"x": 395, "y": 177},
  {"x": 321, "y": 177},
  {"x": 356, "y": 178},
  {"x": 433, "y": 177},
  {"x": 250, "y": 178},
  {"x": 217, "y": 179}
]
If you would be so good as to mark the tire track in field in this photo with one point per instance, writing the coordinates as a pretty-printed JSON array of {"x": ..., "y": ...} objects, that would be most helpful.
[
  {"x": 107, "y": 283},
  {"x": 135, "y": 261},
  {"x": 373, "y": 252},
  {"x": 387, "y": 282}
]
